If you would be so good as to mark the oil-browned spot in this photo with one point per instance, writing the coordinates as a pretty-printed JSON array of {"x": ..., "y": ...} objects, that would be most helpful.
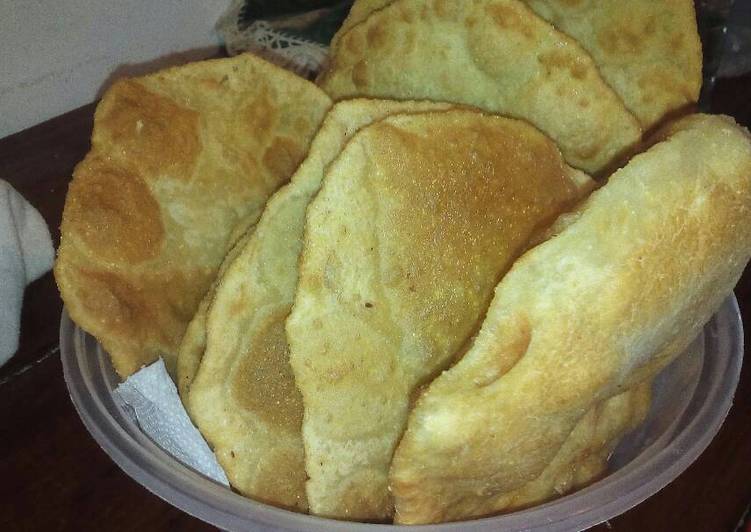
[
  {"x": 353, "y": 43},
  {"x": 280, "y": 479},
  {"x": 619, "y": 40},
  {"x": 147, "y": 130},
  {"x": 115, "y": 301},
  {"x": 445, "y": 9},
  {"x": 406, "y": 15},
  {"x": 561, "y": 60},
  {"x": 212, "y": 84},
  {"x": 360, "y": 75},
  {"x": 238, "y": 305},
  {"x": 180, "y": 290},
  {"x": 302, "y": 124},
  {"x": 260, "y": 114},
  {"x": 579, "y": 70},
  {"x": 263, "y": 382},
  {"x": 283, "y": 157},
  {"x": 114, "y": 213},
  {"x": 511, "y": 19},
  {"x": 660, "y": 84},
  {"x": 676, "y": 42},
  {"x": 409, "y": 40},
  {"x": 650, "y": 26},
  {"x": 377, "y": 36},
  {"x": 121, "y": 310}
]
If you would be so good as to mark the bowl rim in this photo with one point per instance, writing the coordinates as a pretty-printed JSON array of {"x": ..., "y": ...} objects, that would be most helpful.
[{"x": 144, "y": 461}]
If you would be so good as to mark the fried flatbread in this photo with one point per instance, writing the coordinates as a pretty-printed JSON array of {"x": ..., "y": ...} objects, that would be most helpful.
[
  {"x": 244, "y": 398},
  {"x": 648, "y": 52},
  {"x": 493, "y": 54},
  {"x": 178, "y": 160},
  {"x": 415, "y": 222},
  {"x": 606, "y": 303},
  {"x": 583, "y": 457},
  {"x": 357, "y": 13},
  {"x": 193, "y": 344},
  {"x": 192, "y": 347}
]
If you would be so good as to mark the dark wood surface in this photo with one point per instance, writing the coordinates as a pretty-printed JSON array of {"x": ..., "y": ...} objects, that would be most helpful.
[{"x": 53, "y": 475}]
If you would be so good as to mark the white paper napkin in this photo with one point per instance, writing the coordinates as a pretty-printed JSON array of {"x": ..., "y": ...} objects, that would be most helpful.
[
  {"x": 153, "y": 397},
  {"x": 26, "y": 253}
]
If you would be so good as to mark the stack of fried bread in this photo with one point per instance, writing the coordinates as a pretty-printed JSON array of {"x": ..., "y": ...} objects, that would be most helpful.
[{"x": 456, "y": 303}]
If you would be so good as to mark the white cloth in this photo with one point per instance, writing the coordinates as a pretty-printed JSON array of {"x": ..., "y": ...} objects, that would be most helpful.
[
  {"x": 26, "y": 253},
  {"x": 152, "y": 395}
]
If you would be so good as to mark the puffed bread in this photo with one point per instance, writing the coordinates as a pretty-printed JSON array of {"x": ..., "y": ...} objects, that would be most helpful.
[
  {"x": 493, "y": 54},
  {"x": 649, "y": 52},
  {"x": 606, "y": 303}
]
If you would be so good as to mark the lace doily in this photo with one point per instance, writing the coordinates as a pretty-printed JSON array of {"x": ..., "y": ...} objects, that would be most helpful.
[{"x": 293, "y": 52}]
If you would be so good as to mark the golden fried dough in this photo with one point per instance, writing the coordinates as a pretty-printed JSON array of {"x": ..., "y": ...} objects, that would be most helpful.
[
  {"x": 178, "y": 160},
  {"x": 581, "y": 460},
  {"x": 620, "y": 291},
  {"x": 193, "y": 344},
  {"x": 244, "y": 398},
  {"x": 357, "y": 13},
  {"x": 493, "y": 54},
  {"x": 415, "y": 222},
  {"x": 584, "y": 455},
  {"x": 192, "y": 347},
  {"x": 648, "y": 51}
]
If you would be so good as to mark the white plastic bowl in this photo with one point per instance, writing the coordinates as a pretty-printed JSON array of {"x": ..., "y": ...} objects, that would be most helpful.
[{"x": 691, "y": 399}]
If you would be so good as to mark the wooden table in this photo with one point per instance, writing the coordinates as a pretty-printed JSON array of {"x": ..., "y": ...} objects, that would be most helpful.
[{"x": 53, "y": 475}]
